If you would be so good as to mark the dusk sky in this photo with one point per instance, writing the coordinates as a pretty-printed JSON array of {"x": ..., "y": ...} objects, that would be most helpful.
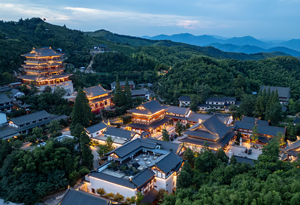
[{"x": 272, "y": 19}]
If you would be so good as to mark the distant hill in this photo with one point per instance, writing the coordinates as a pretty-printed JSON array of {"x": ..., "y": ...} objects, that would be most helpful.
[
  {"x": 208, "y": 51},
  {"x": 253, "y": 49},
  {"x": 204, "y": 40},
  {"x": 19, "y": 37}
]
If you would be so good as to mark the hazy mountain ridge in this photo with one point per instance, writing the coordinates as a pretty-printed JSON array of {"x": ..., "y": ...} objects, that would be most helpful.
[
  {"x": 291, "y": 47},
  {"x": 253, "y": 49}
]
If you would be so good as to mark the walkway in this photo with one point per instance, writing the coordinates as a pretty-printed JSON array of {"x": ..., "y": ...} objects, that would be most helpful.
[{"x": 238, "y": 150}]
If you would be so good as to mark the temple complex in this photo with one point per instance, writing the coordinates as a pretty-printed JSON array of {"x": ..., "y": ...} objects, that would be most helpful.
[
  {"x": 99, "y": 98},
  {"x": 45, "y": 67},
  {"x": 148, "y": 117}
]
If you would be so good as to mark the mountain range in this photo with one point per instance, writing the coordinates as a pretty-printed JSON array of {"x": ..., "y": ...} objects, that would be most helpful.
[{"x": 246, "y": 44}]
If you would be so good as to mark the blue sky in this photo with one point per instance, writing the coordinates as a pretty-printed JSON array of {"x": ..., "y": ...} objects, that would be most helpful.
[{"x": 272, "y": 19}]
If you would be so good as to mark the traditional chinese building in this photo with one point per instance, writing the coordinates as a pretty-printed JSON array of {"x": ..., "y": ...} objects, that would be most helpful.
[
  {"x": 99, "y": 98},
  {"x": 45, "y": 67},
  {"x": 149, "y": 116},
  {"x": 212, "y": 132}
]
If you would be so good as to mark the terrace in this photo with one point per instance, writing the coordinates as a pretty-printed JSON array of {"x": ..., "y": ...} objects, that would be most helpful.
[{"x": 134, "y": 165}]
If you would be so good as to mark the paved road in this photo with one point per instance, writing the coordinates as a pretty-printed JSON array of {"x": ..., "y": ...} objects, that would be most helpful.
[
  {"x": 26, "y": 146},
  {"x": 66, "y": 131},
  {"x": 96, "y": 157}
]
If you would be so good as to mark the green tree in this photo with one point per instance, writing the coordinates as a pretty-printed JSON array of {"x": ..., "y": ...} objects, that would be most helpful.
[
  {"x": 47, "y": 89},
  {"x": 194, "y": 106},
  {"x": 165, "y": 135},
  {"x": 81, "y": 113},
  {"x": 101, "y": 191},
  {"x": 127, "y": 94},
  {"x": 233, "y": 160},
  {"x": 86, "y": 152},
  {"x": 76, "y": 132},
  {"x": 54, "y": 126},
  {"x": 238, "y": 138},
  {"x": 6, "y": 78},
  {"x": 189, "y": 155},
  {"x": 118, "y": 94},
  {"x": 178, "y": 128},
  {"x": 254, "y": 136},
  {"x": 222, "y": 156},
  {"x": 37, "y": 133},
  {"x": 105, "y": 148},
  {"x": 247, "y": 106},
  {"x": 184, "y": 180},
  {"x": 118, "y": 197},
  {"x": 139, "y": 197},
  {"x": 206, "y": 161}
]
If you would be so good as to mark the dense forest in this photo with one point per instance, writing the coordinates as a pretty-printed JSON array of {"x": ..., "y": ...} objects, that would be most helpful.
[
  {"x": 19, "y": 37},
  {"x": 228, "y": 77},
  {"x": 207, "y": 178}
]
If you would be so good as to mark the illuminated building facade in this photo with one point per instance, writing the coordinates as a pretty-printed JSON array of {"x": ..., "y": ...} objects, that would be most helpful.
[
  {"x": 99, "y": 98},
  {"x": 45, "y": 67},
  {"x": 149, "y": 117}
]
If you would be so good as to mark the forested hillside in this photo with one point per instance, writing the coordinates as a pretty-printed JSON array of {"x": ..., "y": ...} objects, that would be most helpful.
[
  {"x": 200, "y": 75},
  {"x": 19, "y": 37}
]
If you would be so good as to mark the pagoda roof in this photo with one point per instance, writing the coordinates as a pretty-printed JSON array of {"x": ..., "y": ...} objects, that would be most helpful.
[
  {"x": 150, "y": 108},
  {"x": 42, "y": 52},
  {"x": 212, "y": 129},
  {"x": 95, "y": 91},
  {"x": 44, "y": 77}
]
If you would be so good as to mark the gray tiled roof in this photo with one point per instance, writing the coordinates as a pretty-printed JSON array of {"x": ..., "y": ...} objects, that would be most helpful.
[
  {"x": 4, "y": 99},
  {"x": 194, "y": 117},
  {"x": 117, "y": 132},
  {"x": 44, "y": 77},
  {"x": 212, "y": 144},
  {"x": 170, "y": 146},
  {"x": 169, "y": 162},
  {"x": 113, "y": 179},
  {"x": 262, "y": 129},
  {"x": 143, "y": 177},
  {"x": 122, "y": 83},
  {"x": 248, "y": 119},
  {"x": 297, "y": 120},
  {"x": 132, "y": 146},
  {"x": 96, "y": 127},
  {"x": 178, "y": 110},
  {"x": 214, "y": 125},
  {"x": 147, "y": 127},
  {"x": 184, "y": 98},
  {"x": 30, "y": 117},
  {"x": 142, "y": 91},
  {"x": 221, "y": 99},
  {"x": 74, "y": 197},
  {"x": 96, "y": 90},
  {"x": 8, "y": 133},
  {"x": 153, "y": 106},
  {"x": 47, "y": 51},
  {"x": 292, "y": 145},
  {"x": 282, "y": 91},
  {"x": 138, "y": 143},
  {"x": 13, "y": 92}
]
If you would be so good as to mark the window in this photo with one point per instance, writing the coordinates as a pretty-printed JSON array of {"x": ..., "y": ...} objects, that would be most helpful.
[{"x": 93, "y": 190}]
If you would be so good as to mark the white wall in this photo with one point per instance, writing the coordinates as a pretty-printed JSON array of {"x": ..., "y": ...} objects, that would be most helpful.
[
  {"x": 169, "y": 183},
  {"x": 110, "y": 187},
  {"x": 159, "y": 183}
]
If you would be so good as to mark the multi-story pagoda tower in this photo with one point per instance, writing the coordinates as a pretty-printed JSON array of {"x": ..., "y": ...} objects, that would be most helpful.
[{"x": 45, "y": 67}]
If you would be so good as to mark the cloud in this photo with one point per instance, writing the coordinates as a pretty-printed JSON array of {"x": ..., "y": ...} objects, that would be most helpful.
[
  {"x": 31, "y": 11},
  {"x": 188, "y": 22}
]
